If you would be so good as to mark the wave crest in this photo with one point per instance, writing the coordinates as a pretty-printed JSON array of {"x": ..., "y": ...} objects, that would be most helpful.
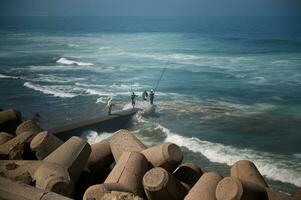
[
  {"x": 49, "y": 90},
  {"x": 66, "y": 61},
  {"x": 268, "y": 164}
]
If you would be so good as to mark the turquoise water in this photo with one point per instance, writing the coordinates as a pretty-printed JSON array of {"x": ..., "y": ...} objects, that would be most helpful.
[{"x": 231, "y": 89}]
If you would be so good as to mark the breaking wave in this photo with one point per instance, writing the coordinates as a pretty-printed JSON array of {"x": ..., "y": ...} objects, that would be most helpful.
[
  {"x": 66, "y": 61},
  {"x": 49, "y": 90},
  {"x": 268, "y": 164},
  {"x": 93, "y": 137}
]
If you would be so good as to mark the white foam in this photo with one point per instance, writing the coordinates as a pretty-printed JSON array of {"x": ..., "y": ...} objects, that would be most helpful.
[
  {"x": 66, "y": 61},
  {"x": 72, "y": 45},
  {"x": 101, "y": 100},
  {"x": 93, "y": 137},
  {"x": 49, "y": 90},
  {"x": 272, "y": 166},
  {"x": 99, "y": 93},
  {"x": 7, "y": 77}
]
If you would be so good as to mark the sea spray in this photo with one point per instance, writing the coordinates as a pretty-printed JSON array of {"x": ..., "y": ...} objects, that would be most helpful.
[{"x": 93, "y": 137}]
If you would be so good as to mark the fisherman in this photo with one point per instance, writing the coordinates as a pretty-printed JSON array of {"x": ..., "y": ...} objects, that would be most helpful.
[
  {"x": 133, "y": 97},
  {"x": 151, "y": 96},
  {"x": 110, "y": 105},
  {"x": 144, "y": 95}
]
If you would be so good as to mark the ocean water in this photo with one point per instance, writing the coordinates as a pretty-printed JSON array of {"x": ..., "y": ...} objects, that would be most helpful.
[{"x": 231, "y": 89}]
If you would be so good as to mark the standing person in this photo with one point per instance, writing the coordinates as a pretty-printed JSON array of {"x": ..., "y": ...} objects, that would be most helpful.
[
  {"x": 151, "y": 96},
  {"x": 144, "y": 95},
  {"x": 109, "y": 105},
  {"x": 133, "y": 98}
]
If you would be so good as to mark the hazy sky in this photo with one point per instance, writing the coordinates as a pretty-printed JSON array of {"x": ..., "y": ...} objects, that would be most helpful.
[{"x": 149, "y": 7}]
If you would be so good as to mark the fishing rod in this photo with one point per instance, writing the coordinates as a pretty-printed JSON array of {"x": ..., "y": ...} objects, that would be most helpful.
[{"x": 162, "y": 73}]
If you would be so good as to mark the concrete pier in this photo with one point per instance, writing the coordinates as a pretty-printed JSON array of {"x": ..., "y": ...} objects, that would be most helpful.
[{"x": 109, "y": 123}]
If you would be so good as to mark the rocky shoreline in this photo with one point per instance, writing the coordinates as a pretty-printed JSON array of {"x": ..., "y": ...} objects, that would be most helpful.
[{"x": 35, "y": 164}]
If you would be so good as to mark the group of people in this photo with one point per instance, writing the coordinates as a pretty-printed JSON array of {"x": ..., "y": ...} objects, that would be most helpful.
[
  {"x": 144, "y": 97},
  {"x": 133, "y": 99}
]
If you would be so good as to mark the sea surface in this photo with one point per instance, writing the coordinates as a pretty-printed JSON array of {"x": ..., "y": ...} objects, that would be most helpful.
[{"x": 230, "y": 91}]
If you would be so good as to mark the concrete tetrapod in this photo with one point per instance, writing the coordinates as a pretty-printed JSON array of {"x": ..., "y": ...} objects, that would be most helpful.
[
  {"x": 245, "y": 170},
  {"x": 129, "y": 171},
  {"x": 9, "y": 120},
  {"x": 97, "y": 192},
  {"x": 28, "y": 126},
  {"x": 14, "y": 148},
  {"x": 124, "y": 141},
  {"x": 159, "y": 184},
  {"x": 44, "y": 143},
  {"x": 46, "y": 176},
  {"x": 204, "y": 188},
  {"x": 19, "y": 170},
  {"x": 4, "y": 137},
  {"x": 72, "y": 155},
  {"x": 101, "y": 157},
  {"x": 167, "y": 155},
  {"x": 188, "y": 174},
  {"x": 11, "y": 190},
  {"x": 126, "y": 176},
  {"x": 231, "y": 188},
  {"x": 120, "y": 195},
  {"x": 54, "y": 178}
]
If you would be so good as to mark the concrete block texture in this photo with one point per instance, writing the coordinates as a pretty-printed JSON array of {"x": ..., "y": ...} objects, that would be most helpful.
[
  {"x": 97, "y": 192},
  {"x": 129, "y": 171},
  {"x": 245, "y": 170},
  {"x": 28, "y": 126},
  {"x": 204, "y": 188},
  {"x": 9, "y": 120},
  {"x": 14, "y": 148},
  {"x": 124, "y": 141},
  {"x": 101, "y": 157},
  {"x": 4, "y": 137},
  {"x": 167, "y": 156},
  {"x": 231, "y": 188},
  {"x": 44, "y": 143},
  {"x": 73, "y": 155},
  {"x": 46, "y": 176},
  {"x": 11, "y": 190},
  {"x": 159, "y": 184}
]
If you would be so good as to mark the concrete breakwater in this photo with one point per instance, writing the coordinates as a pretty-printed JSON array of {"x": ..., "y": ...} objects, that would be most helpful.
[{"x": 36, "y": 164}]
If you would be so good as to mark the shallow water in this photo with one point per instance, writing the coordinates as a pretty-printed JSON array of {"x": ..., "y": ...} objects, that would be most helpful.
[{"x": 230, "y": 90}]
